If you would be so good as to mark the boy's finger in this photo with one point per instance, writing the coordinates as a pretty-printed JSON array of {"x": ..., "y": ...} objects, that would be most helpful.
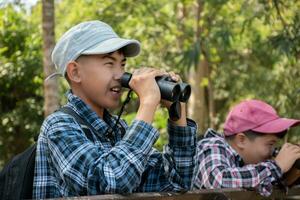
[
  {"x": 158, "y": 73},
  {"x": 174, "y": 76}
]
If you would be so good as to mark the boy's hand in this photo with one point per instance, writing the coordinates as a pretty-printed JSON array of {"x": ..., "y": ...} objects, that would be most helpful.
[
  {"x": 144, "y": 84},
  {"x": 287, "y": 156}
]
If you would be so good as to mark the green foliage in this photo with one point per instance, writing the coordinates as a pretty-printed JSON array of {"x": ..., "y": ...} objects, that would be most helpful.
[
  {"x": 20, "y": 82},
  {"x": 160, "y": 123}
]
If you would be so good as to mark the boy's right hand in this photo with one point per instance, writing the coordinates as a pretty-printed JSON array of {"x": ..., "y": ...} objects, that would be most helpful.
[
  {"x": 287, "y": 156},
  {"x": 144, "y": 84}
]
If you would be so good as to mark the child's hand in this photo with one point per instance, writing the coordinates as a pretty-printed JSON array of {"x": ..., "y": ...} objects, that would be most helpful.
[
  {"x": 287, "y": 155},
  {"x": 144, "y": 84}
]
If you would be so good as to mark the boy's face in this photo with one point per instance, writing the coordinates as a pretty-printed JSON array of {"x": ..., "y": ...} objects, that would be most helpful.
[
  {"x": 258, "y": 149},
  {"x": 99, "y": 79}
]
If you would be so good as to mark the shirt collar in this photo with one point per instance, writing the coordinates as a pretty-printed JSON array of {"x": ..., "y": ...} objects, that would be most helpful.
[
  {"x": 91, "y": 117},
  {"x": 212, "y": 133}
]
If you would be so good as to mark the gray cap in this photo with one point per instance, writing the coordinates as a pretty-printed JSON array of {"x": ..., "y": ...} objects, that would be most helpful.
[{"x": 87, "y": 38}]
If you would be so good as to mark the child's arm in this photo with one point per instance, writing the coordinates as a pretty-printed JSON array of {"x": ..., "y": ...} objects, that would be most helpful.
[
  {"x": 144, "y": 85},
  {"x": 181, "y": 152},
  {"x": 172, "y": 170},
  {"x": 87, "y": 167}
]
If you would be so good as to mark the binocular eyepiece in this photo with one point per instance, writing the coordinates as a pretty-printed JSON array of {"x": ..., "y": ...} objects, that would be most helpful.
[
  {"x": 169, "y": 89},
  {"x": 275, "y": 152}
]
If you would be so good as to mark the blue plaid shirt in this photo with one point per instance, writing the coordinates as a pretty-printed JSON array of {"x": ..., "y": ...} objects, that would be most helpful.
[
  {"x": 220, "y": 166},
  {"x": 69, "y": 164}
]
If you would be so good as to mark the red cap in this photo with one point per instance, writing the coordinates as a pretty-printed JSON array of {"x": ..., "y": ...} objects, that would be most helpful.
[{"x": 257, "y": 116}]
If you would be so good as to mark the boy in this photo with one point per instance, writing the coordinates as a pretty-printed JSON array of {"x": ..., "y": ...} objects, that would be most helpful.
[
  {"x": 241, "y": 159},
  {"x": 91, "y": 56}
]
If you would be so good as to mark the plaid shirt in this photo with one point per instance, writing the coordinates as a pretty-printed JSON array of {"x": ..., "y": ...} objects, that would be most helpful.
[
  {"x": 220, "y": 166},
  {"x": 69, "y": 164}
]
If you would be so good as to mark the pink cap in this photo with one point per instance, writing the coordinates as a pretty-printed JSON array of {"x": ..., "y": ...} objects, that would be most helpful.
[{"x": 257, "y": 116}]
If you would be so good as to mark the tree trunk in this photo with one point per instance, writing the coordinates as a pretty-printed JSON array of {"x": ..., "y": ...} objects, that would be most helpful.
[
  {"x": 210, "y": 91},
  {"x": 197, "y": 108},
  {"x": 50, "y": 86}
]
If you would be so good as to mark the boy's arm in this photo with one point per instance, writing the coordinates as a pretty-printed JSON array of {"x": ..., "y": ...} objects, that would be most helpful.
[
  {"x": 85, "y": 166},
  {"x": 216, "y": 172},
  {"x": 173, "y": 169},
  {"x": 180, "y": 152}
]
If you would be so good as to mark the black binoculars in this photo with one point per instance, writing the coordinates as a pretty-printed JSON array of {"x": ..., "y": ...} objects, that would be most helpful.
[
  {"x": 169, "y": 89},
  {"x": 275, "y": 153}
]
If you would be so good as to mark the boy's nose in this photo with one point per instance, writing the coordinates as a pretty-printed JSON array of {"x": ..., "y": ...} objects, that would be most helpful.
[{"x": 119, "y": 74}]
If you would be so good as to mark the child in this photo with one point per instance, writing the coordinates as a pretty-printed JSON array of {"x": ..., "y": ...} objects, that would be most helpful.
[
  {"x": 91, "y": 56},
  {"x": 241, "y": 158}
]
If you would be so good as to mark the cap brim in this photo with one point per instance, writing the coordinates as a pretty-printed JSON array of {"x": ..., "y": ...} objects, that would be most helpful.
[
  {"x": 131, "y": 48},
  {"x": 277, "y": 125}
]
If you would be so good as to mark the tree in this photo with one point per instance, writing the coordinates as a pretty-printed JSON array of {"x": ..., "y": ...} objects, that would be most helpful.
[{"x": 51, "y": 93}]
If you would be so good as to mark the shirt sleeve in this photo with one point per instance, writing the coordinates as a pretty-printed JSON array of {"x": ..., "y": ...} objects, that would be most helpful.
[
  {"x": 88, "y": 169},
  {"x": 172, "y": 170},
  {"x": 217, "y": 172}
]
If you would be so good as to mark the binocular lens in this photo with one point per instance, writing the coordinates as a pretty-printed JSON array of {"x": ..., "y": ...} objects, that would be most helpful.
[
  {"x": 185, "y": 92},
  {"x": 125, "y": 79},
  {"x": 169, "y": 90}
]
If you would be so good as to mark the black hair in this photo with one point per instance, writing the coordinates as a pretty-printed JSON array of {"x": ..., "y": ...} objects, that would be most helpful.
[{"x": 253, "y": 134}]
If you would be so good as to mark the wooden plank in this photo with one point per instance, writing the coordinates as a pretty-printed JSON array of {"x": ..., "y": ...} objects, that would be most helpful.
[{"x": 211, "y": 194}]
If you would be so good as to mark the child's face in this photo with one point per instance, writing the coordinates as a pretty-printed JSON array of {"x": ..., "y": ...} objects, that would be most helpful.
[
  {"x": 258, "y": 149},
  {"x": 100, "y": 75}
]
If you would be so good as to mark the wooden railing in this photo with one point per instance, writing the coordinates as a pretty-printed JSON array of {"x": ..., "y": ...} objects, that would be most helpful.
[{"x": 216, "y": 194}]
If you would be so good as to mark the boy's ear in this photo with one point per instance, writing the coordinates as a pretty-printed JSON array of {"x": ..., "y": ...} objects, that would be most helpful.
[
  {"x": 73, "y": 72},
  {"x": 240, "y": 140}
]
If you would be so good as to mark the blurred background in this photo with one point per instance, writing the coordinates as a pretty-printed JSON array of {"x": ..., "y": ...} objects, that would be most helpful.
[{"x": 228, "y": 50}]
